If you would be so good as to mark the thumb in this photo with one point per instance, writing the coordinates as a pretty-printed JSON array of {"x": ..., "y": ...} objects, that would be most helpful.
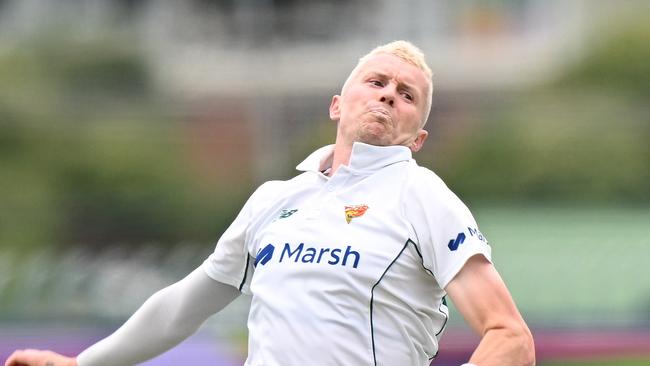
[
  {"x": 18, "y": 358},
  {"x": 32, "y": 357}
]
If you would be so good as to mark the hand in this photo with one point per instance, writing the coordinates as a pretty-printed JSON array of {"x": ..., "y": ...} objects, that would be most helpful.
[{"x": 33, "y": 357}]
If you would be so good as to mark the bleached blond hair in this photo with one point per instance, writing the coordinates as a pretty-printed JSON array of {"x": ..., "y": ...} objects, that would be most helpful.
[{"x": 407, "y": 52}]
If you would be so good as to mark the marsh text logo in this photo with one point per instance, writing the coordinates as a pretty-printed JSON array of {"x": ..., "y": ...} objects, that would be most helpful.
[{"x": 301, "y": 253}]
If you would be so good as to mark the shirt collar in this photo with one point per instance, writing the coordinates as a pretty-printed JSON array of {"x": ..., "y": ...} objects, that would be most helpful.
[{"x": 364, "y": 157}]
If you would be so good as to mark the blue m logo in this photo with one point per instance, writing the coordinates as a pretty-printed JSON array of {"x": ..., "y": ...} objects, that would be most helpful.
[
  {"x": 264, "y": 255},
  {"x": 454, "y": 243}
]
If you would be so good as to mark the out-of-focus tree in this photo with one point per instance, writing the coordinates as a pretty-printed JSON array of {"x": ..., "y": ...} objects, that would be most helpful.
[
  {"x": 91, "y": 154},
  {"x": 579, "y": 139}
]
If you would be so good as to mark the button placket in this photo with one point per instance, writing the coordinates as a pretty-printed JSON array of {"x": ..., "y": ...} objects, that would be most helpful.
[{"x": 314, "y": 208}]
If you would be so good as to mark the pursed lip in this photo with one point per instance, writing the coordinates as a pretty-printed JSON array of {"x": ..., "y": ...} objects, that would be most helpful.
[{"x": 380, "y": 110}]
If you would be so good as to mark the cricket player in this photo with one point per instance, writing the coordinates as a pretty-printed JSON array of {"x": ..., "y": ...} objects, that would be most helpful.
[{"x": 348, "y": 263}]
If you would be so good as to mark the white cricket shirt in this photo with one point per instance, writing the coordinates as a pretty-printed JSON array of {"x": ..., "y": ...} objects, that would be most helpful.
[{"x": 348, "y": 269}]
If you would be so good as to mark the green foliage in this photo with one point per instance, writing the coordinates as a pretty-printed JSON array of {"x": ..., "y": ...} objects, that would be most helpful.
[
  {"x": 582, "y": 139},
  {"x": 90, "y": 156},
  {"x": 550, "y": 145},
  {"x": 103, "y": 183},
  {"x": 619, "y": 62}
]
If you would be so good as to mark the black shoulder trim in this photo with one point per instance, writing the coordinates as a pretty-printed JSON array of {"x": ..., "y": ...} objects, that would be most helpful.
[
  {"x": 243, "y": 281},
  {"x": 417, "y": 250}
]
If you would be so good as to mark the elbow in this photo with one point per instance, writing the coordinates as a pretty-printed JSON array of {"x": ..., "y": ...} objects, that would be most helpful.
[
  {"x": 531, "y": 351},
  {"x": 527, "y": 347},
  {"x": 520, "y": 345}
]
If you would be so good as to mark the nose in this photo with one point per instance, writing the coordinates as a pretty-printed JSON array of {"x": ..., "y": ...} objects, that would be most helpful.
[
  {"x": 388, "y": 95},
  {"x": 387, "y": 99}
]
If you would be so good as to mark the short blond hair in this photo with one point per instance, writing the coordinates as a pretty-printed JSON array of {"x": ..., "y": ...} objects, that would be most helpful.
[{"x": 407, "y": 52}]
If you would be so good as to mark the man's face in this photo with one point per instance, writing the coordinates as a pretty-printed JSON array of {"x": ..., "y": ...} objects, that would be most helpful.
[{"x": 382, "y": 104}]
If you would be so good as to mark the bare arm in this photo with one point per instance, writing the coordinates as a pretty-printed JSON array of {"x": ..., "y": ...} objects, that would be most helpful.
[
  {"x": 479, "y": 294},
  {"x": 164, "y": 320}
]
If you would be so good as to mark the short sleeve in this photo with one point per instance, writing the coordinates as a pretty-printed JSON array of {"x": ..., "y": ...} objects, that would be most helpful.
[
  {"x": 230, "y": 262},
  {"x": 444, "y": 229}
]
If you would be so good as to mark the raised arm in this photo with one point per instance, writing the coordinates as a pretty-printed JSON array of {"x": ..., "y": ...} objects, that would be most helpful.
[
  {"x": 164, "y": 320},
  {"x": 479, "y": 294}
]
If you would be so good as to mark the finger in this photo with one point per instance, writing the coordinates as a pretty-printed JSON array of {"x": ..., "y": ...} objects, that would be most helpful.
[
  {"x": 26, "y": 357},
  {"x": 16, "y": 359}
]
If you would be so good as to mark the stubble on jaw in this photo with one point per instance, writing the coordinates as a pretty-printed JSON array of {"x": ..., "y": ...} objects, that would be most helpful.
[
  {"x": 373, "y": 133},
  {"x": 374, "y": 128}
]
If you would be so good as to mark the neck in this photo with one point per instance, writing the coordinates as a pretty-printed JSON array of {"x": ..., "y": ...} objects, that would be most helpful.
[{"x": 342, "y": 152}]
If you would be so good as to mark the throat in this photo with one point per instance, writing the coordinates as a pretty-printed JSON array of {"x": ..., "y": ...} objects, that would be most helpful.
[{"x": 341, "y": 156}]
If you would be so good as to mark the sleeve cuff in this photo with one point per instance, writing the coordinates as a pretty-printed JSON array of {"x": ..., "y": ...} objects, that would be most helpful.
[
  {"x": 224, "y": 278},
  {"x": 452, "y": 271}
]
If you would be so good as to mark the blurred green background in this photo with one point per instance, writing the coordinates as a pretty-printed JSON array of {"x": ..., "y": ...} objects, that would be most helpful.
[{"x": 131, "y": 133}]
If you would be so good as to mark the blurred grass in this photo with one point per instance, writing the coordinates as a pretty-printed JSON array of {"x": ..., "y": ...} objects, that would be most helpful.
[
  {"x": 565, "y": 266},
  {"x": 570, "y": 265}
]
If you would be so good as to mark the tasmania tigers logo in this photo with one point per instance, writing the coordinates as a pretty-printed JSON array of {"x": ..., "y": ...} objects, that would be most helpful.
[{"x": 354, "y": 211}]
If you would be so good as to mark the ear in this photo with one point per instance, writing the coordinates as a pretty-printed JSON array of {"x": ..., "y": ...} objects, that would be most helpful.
[
  {"x": 417, "y": 143},
  {"x": 335, "y": 108}
]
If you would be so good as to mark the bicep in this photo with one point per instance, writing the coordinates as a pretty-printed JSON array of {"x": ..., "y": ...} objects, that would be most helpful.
[{"x": 481, "y": 296}]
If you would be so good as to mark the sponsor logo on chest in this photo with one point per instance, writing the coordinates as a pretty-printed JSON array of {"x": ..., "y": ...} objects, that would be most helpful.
[{"x": 301, "y": 253}]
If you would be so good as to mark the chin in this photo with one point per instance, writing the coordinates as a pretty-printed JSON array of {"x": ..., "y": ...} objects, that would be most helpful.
[
  {"x": 372, "y": 139},
  {"x": 373, "y": 133}
]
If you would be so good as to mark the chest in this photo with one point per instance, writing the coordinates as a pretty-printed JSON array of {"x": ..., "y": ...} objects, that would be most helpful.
[{"x": 344, "y": 240}]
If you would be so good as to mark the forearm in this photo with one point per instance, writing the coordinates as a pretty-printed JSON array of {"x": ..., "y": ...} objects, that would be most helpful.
[
  {"x": 482, "y": 298},
  {"x": 164, "y": 320},
  {"x": 505, "y": 347},
  {"x": 146, "y": 334}
]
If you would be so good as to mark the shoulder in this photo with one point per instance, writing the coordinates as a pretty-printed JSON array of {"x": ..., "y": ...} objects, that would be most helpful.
[
  {"x": 268, "y": 188},
  {"x": 426, "y": 186},
  {"x": 427, "y": 196},
  {"x": 422, "y": 175},
  {"x": 273, "y": 189}
]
